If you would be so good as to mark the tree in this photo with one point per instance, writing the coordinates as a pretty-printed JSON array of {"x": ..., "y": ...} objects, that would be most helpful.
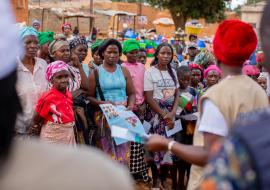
[{"x": 181, "y": 10}]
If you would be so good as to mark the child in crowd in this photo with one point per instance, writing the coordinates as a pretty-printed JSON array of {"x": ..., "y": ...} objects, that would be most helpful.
[
  {"x": 142, "y": 56},
  {"x": 54, "y": 118},
  {"x": 186, "y": 107}
]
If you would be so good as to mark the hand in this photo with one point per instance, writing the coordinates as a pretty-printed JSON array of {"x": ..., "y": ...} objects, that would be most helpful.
[
  {"x": 169, "y": 119},
  {"x": 157, "y": 143},
  {"x": 75, "y": 61},
  {"x": 169, "y": 116}
]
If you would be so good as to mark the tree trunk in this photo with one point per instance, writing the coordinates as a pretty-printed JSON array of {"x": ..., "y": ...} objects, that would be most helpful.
[{"x": 179, "y": 20}]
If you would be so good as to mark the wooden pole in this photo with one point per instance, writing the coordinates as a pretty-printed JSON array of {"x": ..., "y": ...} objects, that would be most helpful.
[
  {"x": 42, "y": 18},
  {"x": 113, "y": 26},
  {"x": 117, "y": 28}
]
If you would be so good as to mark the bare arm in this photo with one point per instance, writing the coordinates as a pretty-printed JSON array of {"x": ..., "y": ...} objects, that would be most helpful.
[
  {"x": 84, "y": 84},
  {"x": 36, "y": 124},
  {"x": 197, "y": 155},
  {"x": 130, "y": 89}
]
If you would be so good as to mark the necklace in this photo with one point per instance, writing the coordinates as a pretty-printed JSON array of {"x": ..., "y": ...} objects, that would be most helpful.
[{"x": 164, "y": 83}]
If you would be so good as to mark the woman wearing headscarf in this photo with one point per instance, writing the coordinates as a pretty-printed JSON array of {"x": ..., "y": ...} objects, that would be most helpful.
[
  {"x": 31, "y": 78},
  {"x": 212, "y": 75},
  {"x": 161, "y": 93},
  {"x": 205, "y": 58},
  {"x": 252, "y": 71},
  {"x": 60, "y": 51},
  {"x": 82, "y": 109},
  {"x": 117, "y": 88},
  {"x": 45, "y": 38},
  {"x": 130, "y": 49},
  {"x": 67, "y": 31},
  {"x": 54, "y": 119}
]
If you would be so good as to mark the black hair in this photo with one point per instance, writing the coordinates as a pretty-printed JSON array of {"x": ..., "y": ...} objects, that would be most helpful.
[
  {"x": 9, "y": 107},
  {"x": 183, "y": 70},
  {"x": 265, "y": 34},
  {"x": 155, "y": 60},
  {"x": 143, "y": 50},
  {"x": 106, "y": 43},
  {"x": 94, "y": 50}
]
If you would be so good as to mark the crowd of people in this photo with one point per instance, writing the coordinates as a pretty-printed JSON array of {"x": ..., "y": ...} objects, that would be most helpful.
[{"x": 210, "y": 91}]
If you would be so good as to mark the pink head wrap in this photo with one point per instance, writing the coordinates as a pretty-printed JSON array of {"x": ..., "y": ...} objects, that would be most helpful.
[
  {"x": 66, "y": 25},
  {"x": 212, "y": 68},
  {"x": 55, "y": 67},
  {"x": 250, "y": 70}
]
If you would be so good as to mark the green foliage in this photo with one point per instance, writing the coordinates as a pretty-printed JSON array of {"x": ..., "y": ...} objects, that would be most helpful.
[
  {"x": 181, "y": 10},
  {"x": 211, "y": 10}
]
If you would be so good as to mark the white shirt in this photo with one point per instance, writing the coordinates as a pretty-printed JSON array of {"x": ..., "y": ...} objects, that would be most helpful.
[
  {"x": 30, "y": 87},
  {"x": 212, "y": 120},
  {"x": 160, "y": 82}
]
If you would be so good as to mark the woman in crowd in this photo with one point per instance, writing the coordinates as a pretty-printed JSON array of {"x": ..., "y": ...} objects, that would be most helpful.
[
  {"x": 212, "y": 75},
  {"x": 45, "y": 38},
  {"x": 83, "y": 115},
  {"x": 60, "y": 51},
  {"x": 161, "y": 93},
  {"x": 115, "y": 87},
  {"x": 137, "y": 163},
  {"x": 96, "y": 61},
  {"x": 54, "y": 118},
  {"x": 31, "y": 78},
  {"x": 67, "y": 31}
]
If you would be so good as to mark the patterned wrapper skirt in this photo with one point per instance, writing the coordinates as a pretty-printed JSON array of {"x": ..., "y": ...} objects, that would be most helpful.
[
  {"x": 106, "y": 143},
  {"x": 58, "y": 133},
  {"x": 158, "y": 127}
]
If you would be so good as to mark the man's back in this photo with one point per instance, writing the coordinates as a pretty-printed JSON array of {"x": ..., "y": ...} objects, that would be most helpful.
[{"x": 36, "y": 165}]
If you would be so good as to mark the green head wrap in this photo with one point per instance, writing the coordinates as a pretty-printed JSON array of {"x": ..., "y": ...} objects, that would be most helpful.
[
  {"x": 45, "y": 37},
  {"x": 130, "y": 45},
  {"x": 95, "y": 46}
]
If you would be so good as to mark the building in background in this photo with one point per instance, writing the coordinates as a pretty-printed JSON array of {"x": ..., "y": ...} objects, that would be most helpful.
[
  {"x": 20, "y": 8},
  {"x": 252, "y": 14}
]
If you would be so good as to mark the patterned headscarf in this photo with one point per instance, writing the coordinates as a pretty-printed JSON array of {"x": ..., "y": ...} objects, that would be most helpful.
[
  {"x": 27, "y": 31},
  {"x": 77, "y": 41},
  {"x": 56, "y": 45},
  {"x": 55, "y": 67},
  {"x": 205, "y": 58}
]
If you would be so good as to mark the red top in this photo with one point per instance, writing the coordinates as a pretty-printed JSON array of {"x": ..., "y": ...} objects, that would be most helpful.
[{"x": 56, "y": 107}]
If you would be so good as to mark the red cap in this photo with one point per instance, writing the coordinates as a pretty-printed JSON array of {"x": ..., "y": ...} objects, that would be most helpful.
[{"x": 234, "y": 42}]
